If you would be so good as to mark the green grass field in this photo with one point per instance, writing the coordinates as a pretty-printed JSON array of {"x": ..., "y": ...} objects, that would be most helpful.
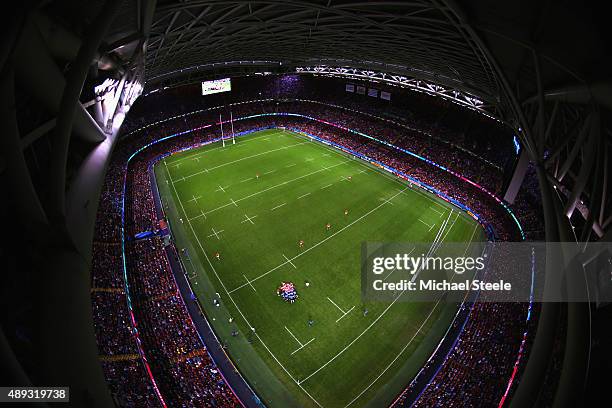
[{"x": 215, "y": 202}]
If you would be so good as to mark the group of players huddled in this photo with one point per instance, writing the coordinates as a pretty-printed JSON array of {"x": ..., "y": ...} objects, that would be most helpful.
[{"x": 287, "y": 291}]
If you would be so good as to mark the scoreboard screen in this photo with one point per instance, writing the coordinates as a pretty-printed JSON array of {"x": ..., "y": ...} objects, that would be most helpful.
[{"x": 216, "y": 86}]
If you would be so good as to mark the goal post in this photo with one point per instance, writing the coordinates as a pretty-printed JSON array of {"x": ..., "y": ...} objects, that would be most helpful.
[
  {"x": 221, "y": 124},
  {"x": 232, "y": 123}
]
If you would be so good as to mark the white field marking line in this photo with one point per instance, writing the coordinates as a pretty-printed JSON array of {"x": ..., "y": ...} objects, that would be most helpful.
[
  {"x": 221, "y": 188},
  {"x": 344, "y": 178},
  {"x": 439, "y": 238},
  {"x": 334, "y": 303},
  {"x": 398, "y": 354},
  {"x": 270, "y": 172},
  {"x": 299, "y": 342},
  {"x": 344, "y": 313},
  {"x": 347, "y": 312},
  {"x": 203, "y": 214},
  {"x": 215, "y": 233},
  {"x": 194, "y": 199},
  {"x": 196, "y": 159},
  {"x": 303, "y": 195},
  {"x": 405, "y": 347},
  {"x": 233, "y": 202},
  {"x": 314, "y": 246},
  {"x": 245, "y": 180},
  {"x": 417, "y": 190},
  {"x": 428, "y": 225},
  {"x": 393, "y": 270},
  {"x": 309, "y": 159},
  {"x": 389, "y": 201},
  {"x": 292, "y": 335},
  {"x": 440, "y": 213},
  {"x": 379, "y": 316},
  {"x": 439, "y": 241},
  {"x": 298, "y": 382},
  {"x": 243, "y": 158},
  {"x": 291, "y": 165},
  {"x": 278, "y": 206},
  {"x": 177, "y": 161},
  {"x": 448, "y": 230},
  {"x": 270, "y": 188},
  {"x": 327, "y": 186},
  {"x": 289, "y": 260},
  {"x": 471, "y": 238},
  {"x": 301, "y": 347},
  {"x": 336, "y": 152},
  {"x": 325, "y": 155},
  {"x": 249, "y": 282},
  {"x": 366, "y": 167},
  {"x": 248, "y": 219}
]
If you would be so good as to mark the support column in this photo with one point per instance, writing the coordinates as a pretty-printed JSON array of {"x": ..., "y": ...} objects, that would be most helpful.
[
  {"x": 83, "y": 197},
  {"x": 113, "y": 101},
  {"x": 520, "y": 170},
  {"x": 535, "y": 371},
  {"x": 55, "y": 277},
  {"x": 70, "y": 100},
  {"x": 16, "y": 177},
  {"x": 31, "y": 57},
  {"x": 98, "y": 112}
]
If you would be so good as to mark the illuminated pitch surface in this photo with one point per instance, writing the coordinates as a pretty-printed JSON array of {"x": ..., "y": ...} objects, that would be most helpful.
[{"x": 255, "y": 224}]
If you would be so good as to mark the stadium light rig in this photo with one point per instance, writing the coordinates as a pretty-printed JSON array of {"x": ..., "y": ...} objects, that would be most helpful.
[
  {"x": 454, "y": 95},
  {"x": 517, "y": 145}
]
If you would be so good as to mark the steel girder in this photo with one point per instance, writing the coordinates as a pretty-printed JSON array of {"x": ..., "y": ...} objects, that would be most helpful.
[{"x": 421, "y": 35}]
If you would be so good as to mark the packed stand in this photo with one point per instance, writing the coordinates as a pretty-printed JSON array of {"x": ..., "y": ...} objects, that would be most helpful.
[
  {"x": 485, "y": 347},
  {"x": 152, "y": 287},
  {"x": 123, "y": 368}
]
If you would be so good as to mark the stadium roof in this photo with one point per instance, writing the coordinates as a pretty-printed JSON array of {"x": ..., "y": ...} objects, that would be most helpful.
[
  {"x": 473, "y": 46},
  {"x": 541, "y": 67},
  {"x": 461, "y": 45}
]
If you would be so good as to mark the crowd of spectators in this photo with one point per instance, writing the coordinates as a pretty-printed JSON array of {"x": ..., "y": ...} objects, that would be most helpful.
[
  {"x": 129, "y": 385},
  {"x": 107, "y": 272},
  {"x": 528, "y": 206},
  {"x": 184, "y": 372},
  {"x": 410, "y": 138},
  {"x": 438, "y": 118},
  {"x": 477, "y": 369},
  {"x": 180, "y": 366},
  {"x": 477, "y": 170}
]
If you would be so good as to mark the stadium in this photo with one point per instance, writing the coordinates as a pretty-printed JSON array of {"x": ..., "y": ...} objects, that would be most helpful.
[{"x": 305, "y": 204}]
